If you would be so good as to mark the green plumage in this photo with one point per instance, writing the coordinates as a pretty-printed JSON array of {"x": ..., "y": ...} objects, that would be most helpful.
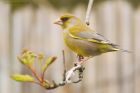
[
  {"x": 84, "y": 40},
  {"x": 86, "y": 46}
]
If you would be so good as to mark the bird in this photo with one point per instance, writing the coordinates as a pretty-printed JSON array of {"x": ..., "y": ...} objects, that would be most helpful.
[{"x": 82, "y": 39}]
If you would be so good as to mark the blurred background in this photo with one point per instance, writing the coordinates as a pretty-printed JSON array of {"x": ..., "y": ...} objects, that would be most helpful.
[{"x": 29, "y": 24}]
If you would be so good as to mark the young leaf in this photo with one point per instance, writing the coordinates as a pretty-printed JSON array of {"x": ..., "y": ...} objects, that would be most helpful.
[
  {"x": 27, "y": 57},
  {"x": 41, "y": 56},
  {"x": 49, "y": 61},
  {"x": 22, "y": 78}
]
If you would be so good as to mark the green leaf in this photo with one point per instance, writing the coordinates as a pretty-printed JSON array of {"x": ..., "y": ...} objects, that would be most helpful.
[
  {"x": 22, "y": 78},
  {"x": 49, "y": 61},
  {"x": 27, "y": 57}
]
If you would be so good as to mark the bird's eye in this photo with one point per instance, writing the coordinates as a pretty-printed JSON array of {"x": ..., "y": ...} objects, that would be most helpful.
[{"x": 64, "y": 19}]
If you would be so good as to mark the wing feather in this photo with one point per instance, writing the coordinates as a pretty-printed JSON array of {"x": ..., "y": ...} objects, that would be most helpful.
[{"x": 91, "y": 37}]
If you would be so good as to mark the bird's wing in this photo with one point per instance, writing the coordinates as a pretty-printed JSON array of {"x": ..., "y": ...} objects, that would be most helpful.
[{"x": 91, "y": 36}]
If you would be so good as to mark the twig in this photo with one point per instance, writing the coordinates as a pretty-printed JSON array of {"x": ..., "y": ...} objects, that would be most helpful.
[
  {"x": 34, "y": 73},
  {"x": 50, "y": 62},
  {"x": 43, "y": 75},
  {"x": 89, "y": 11},
  {"x": 64, "y": 66},
  {"x": 38, "y": 83}
]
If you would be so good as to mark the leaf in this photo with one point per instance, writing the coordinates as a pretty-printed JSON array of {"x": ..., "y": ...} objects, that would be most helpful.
[
  {"x": 41, "y": 56},
  {"x": 49, "y": 61},
  {"x": 22, "y": 78},
  {"x": 27, "y": 57}
]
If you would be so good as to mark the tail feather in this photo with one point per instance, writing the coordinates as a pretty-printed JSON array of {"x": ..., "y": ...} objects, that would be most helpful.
[
  {"x": 117, "y": 48},
  {"x": 123, "y": 50}
]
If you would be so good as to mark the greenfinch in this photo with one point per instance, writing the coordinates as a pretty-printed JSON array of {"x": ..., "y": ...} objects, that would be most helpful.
[{"x": 82, "y": 39}]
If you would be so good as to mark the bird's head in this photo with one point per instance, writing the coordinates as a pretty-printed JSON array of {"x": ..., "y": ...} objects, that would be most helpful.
[{"x": 67, "y": 20}]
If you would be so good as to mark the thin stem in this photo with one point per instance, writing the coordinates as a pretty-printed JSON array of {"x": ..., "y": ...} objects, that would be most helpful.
[
  {"x": 34, "y": 73},
  {"x": 43, "y": 75},
  {"x": 89, "y": 11},
  {"x": 38, "y": 83},
  {"x": 64, "y": 66}
]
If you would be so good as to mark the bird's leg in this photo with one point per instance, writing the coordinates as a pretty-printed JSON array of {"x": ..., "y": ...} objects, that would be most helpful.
[
  {"x": 81, "y": 68},
  {"x": 80, "y": 57},
  {"x": 80, "y": 60}
]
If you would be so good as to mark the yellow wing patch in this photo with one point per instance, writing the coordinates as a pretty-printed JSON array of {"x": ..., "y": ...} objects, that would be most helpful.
[{"x": 90, "y": 40}]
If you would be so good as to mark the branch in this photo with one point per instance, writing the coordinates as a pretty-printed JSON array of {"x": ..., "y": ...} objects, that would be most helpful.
[
  {"x": 34, "y": 73},
  {"x": 89, "y": 11},
  {"x": 71, "y": 73},
  {"x": 78, "y": 67}
]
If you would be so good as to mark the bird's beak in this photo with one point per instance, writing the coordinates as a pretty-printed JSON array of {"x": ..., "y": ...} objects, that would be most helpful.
[{"x": 58, "y": 22}]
